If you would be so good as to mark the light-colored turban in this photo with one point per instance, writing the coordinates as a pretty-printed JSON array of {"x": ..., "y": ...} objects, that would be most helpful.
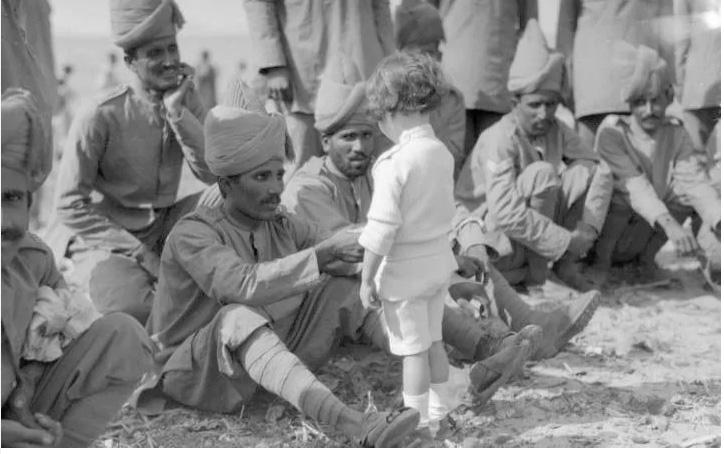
[
  {"x": 238, "y": 140},
  {"x": 341, "y": 98},
  {"x": 135, "y": 22},
  {"x": 25, "y": 140},
  {"x": 640, "y": 70},
  {"x": 535, "y": 67},
  {"x": 417, "y": 22}
]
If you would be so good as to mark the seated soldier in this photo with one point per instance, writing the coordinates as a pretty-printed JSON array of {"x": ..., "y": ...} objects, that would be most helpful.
[
  {"x": 534, "y": 192},
  {"x": 65, "y": 400},
  {"x": 246, "y": 299},
  {"x": 335, "y": 192},
  {"x": 418, "y": 28},
  {"x": 119, "y": 188},
  {"x": 660, "y": 178}
]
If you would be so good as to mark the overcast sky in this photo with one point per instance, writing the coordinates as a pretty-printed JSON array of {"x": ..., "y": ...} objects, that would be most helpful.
[{"x": 203, "y": 17}]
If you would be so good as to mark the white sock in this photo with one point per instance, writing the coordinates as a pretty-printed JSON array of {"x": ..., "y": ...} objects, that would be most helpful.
[
  {"x": 419, "y": 403},
  {"x": 439, "y": 404}
]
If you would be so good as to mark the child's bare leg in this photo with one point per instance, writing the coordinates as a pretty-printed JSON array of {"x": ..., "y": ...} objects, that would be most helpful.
[
  {"x": 416, "y": 383},
  {"x": 439, "y": 366},
  {"x": 440, "y": 399}
]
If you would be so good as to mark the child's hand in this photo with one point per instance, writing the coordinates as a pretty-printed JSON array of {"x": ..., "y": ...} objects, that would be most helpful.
[{"x": 368, "y": 295}]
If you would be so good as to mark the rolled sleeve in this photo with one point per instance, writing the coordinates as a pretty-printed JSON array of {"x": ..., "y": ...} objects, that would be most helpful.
[{"x": 227, "y": 277}]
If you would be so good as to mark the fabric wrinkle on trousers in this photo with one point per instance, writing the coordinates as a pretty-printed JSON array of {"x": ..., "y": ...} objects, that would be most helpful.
[
  {"x": 561, "y": 198},
  {"x": 626, "y": 236},
  {"x": 202, "y": 372},
  {"x": 116, "y": 282},
  {"x": 305, "y": 140},
  {"x": 86, "y": 387}
]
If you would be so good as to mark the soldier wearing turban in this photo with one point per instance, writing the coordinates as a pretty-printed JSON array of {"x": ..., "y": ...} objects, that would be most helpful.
[
  {"x": 131, "y": 148},
  {"x": 250, "y": 296},
  {"x": 67, "y": 398},
  {"x": 660, "y": 177},
  {"x": 531, "y": 191}
]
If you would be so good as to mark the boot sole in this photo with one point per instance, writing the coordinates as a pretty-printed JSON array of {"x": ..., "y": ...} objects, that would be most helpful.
[
  {"x": 524, "y": 352},
  {"x": 580, "y": 322},
  {"x": 398, "y": 430}
]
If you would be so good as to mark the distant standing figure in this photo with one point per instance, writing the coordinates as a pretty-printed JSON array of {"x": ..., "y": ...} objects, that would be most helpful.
[
  {"x": 480, "y": 41},
  {"x": 206, "y": 80},
  {"x": 698, "y": 80},
  {"x": 109, "y": 78},
  {"x": 292, "y": 41},
  {"x": 587, "y": 31}
]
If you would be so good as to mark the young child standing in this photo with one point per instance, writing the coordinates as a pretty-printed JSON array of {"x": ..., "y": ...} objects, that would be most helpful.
[{"x": 408, "y": 260}]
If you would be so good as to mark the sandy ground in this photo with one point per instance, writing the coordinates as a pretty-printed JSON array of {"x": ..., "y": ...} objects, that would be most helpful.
[{"x": 646, "y": 372}]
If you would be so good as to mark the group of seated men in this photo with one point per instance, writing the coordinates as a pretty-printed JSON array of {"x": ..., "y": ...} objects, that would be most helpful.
[{"x": 252, "y": 282}]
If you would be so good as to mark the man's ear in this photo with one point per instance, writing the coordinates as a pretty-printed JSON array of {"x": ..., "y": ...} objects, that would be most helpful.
[
  {"x": 224, "y": 185},
  {"x": 514, "y": 100},
  {"x": 326, "y": 143}
]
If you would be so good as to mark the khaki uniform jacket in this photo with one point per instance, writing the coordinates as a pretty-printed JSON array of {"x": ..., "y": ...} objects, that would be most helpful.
[
  {"x": 587, "y": 31},
  {"x": 480, "y": 41},
  {"x": 697, "y": 53},
  {"x": 486, "y": 189},
  {"x": 32, "y": 267},
  {"x": 649, "y": 174},
  {"x": 123, "y": 159},
  {"x": 321, "y": 194},
  {"x": 210, "y": 261},
  {"x": 303, "y": 34}
]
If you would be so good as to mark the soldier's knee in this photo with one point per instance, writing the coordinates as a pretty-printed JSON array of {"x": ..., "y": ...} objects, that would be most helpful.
[{"x": 537, "y": 178}]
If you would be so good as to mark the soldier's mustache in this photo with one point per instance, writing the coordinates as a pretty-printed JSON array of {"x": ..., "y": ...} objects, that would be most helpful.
[{"x": 272, "y": 199}]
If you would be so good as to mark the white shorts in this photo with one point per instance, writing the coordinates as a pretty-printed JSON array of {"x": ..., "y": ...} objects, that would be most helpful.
[{"x": 414, "y": 324}]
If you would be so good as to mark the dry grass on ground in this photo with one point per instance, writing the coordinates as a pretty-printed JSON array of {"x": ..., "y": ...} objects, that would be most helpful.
[{"x": 645, "y": 372}]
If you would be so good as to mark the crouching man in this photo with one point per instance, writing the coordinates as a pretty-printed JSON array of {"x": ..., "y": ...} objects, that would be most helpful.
[
  {"x": 535, "y": 192},
  {"x": 660, "y": 177}
]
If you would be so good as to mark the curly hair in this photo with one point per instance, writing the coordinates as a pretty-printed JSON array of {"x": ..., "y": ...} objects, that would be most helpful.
[{"x": 405, "y": 82}]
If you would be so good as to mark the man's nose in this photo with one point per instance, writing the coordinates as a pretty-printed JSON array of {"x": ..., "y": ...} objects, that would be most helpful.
[
  {"x": 277, "y": 187},
  {"x": 648, "y": 108}
]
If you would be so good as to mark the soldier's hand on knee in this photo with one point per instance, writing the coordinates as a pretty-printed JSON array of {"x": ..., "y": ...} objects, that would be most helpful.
[
  {"x": 682, "y": 238},
  {"x": 581, "y": 242}
]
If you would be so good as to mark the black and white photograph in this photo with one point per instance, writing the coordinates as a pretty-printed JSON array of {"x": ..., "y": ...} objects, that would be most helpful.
[{"x": 361, "y": 224}]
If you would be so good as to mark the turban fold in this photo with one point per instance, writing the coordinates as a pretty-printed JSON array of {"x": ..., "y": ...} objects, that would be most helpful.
[
  {"x": 534, "y": 66},
  {"x": 640, "y": 70},
  {"x": 341, "y": 97},
  {"x": 24, "y": 137},
  {"x": 417, "y": 22},
  {"x": 238, "y": 140},
  {"x": 135, "y": 22}
]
